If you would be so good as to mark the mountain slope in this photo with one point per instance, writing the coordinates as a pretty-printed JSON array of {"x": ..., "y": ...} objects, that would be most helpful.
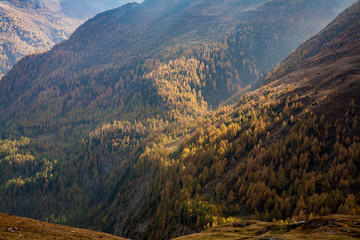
[
  {"x": 34, "y": 26},
  {"x": 13, "y": 227},
  {"x": 285, "y": 151},
  {"x": 289, "y": 150},
  {"x": 106, "y": 64}
]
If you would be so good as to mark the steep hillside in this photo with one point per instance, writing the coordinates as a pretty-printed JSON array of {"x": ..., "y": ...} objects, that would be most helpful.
[
  {"x": 106, "y": 70},
  {"x": 289, "y": 150},
  {"x": 330, "y": 227},
  {"x": 12, "y": 227},
  {"x": 27, "y": 27}
]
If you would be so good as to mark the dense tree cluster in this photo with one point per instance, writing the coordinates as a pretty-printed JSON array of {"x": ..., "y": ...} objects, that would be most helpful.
[
  {"x": 87, "y": 90},
  {"x": 270, "y": 157},
  {"x": 237, "y": 165}
]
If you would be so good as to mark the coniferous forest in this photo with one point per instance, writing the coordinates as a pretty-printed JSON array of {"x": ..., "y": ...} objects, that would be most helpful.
[{"x": 165, "y": 118}]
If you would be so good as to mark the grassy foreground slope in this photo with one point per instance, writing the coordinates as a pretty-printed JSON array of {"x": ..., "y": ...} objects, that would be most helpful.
[
  {"x": 13, "y": 227},
  {"x": 330, "y": 227}
]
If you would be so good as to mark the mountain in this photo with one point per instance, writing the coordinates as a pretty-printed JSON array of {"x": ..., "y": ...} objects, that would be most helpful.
[
  {"x": 13, "y": 227},
  {"x": 36, "y": 25},
  {"x": 104, "y": 5},
  {"x": 288, "y": 150},
  {"x": 344, "y": 227},
  {"x": 153, "y": 160},
  {"x": 115, "y": 66}
]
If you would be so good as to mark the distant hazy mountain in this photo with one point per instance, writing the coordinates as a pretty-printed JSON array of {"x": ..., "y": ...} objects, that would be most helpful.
[{"x": 36, "y": 25}]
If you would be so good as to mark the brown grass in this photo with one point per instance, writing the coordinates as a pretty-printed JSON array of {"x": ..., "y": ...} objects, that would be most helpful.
[
  {"x": 330, "y": 227},
  {"x": 12, "y": 227}
]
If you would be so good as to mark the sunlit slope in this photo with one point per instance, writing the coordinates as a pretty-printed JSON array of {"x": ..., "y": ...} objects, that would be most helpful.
[
  {"x": 103, "y": 72},
  {"x": 331, "y": 227},
  {"x": 288, "y": 150},
  {"x": 12, "y": 227}
]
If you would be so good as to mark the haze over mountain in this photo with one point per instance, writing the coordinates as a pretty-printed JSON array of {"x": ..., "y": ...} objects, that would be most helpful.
[
  {"x": 114, "y": 60},
  {"x": 36, "y": 25},
  {"x": 123, "y": 134}
]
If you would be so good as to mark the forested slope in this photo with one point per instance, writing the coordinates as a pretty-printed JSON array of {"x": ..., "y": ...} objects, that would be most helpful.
[
  {"x": 102, "y": 73},
  {"x": 163, "y": 165},
  {"x": 289, "y": 150}
]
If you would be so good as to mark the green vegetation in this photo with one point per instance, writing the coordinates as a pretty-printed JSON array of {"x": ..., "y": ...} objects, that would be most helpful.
[
  {"x": 17, "y": 159},
  {"x": 26, "y": 171}
]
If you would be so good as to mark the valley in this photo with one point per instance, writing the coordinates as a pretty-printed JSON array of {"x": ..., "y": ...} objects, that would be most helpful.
[{"x": 161, "y": 119}]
